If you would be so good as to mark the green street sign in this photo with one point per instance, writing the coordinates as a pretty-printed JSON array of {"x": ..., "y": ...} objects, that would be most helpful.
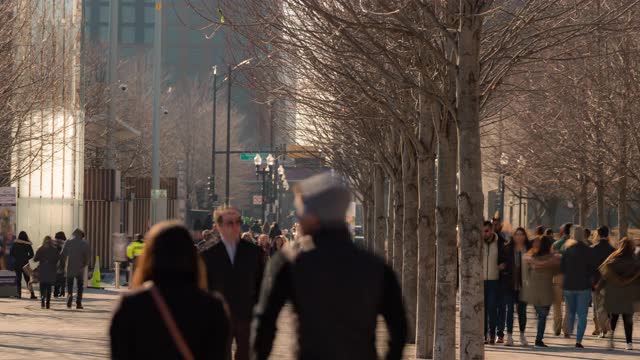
[{"x": 250, "y": 156}]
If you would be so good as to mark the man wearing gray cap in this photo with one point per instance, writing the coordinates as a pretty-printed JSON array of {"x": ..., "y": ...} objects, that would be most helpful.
[{"x": 337, "y": 290}]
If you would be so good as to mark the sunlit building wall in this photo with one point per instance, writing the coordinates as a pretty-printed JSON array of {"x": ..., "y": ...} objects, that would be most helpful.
[{"x": 50, "y": 194}]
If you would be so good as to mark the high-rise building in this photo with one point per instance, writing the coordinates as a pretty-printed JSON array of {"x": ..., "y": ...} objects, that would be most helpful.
[{"x": 190, "y": 49}]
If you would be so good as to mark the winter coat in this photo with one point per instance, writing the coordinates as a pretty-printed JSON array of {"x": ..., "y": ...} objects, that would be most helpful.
[
  {"x": 48, "y": 257},
  {"x": 337, "y": 291},
  {"x": 601, "y": 252},
  {"x": 61, "y": 261},
  {"x": 139, "y": 332},
  {"x": 274, "y": 232},
  {"x": 578, "y": 266},
  {"x": 239, "y": 282},
  {"x": 76, "y": 253},
  {"x": 511, "y": 276},
  {"x": 22, "y": 252},
  {"x": 492, "y": 253},
  {"x": 621, "y": 283},
  {"x": 537, "y": 284}
]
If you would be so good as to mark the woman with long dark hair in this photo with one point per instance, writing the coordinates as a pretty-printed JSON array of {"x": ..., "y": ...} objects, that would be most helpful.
[
  {"x": 621, "y": 283},
  {"x": 511, "y": 279},
  {"x": 540, "y": 265},
  {"x": 48, "y": 256},
  {"x": 170, "y": 314},
  {"x": 22, "y": 252}
]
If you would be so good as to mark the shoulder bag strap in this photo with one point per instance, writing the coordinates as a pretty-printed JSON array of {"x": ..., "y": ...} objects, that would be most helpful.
[{"x": 171, "y": 324}]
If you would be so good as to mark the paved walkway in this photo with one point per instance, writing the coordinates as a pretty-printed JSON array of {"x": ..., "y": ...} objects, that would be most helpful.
[{"x": 28, "y": 332}]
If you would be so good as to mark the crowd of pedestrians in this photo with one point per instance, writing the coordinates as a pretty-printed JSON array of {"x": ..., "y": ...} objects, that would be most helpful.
[
  {"x": 60, "y": 264},
  {"x": 193, "y": 302},
  {"x": 545, "y": 273}
]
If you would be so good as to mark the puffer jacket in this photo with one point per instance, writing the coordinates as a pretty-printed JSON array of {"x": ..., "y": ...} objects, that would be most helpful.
[{"x": 22, "y": 252}]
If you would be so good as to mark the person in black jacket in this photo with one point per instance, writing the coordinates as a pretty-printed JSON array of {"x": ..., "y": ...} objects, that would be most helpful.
[
  {"x": 22, "y": 252},
  {"x": 61, "y": 280},
  {"x": 601, "y": 251},
  {"x": 235, "y": 268},
  {"x": 511, "y": 281},
  {"x": 48, "y": 256},
  {"x": 274, "y": 231},
  {"x": 171, "y": 268},
  {"x": 337, "y": 289},
  {"x": 579, "y": 269},
  {"x": 500, "y": 304}
]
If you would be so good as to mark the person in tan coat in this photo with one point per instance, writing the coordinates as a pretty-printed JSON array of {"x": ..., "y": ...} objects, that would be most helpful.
[{"x": 537, "y": 278}]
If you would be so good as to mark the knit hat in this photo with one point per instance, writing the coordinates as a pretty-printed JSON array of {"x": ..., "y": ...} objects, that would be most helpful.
[{"x": 324, "y": 196}]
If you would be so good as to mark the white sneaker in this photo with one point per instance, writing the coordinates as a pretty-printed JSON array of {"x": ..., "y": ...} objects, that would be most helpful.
[
  {"x": 509, "y": 341},
  {"x": 629, "y": 346},
  {"x": 523, "y": 340}
]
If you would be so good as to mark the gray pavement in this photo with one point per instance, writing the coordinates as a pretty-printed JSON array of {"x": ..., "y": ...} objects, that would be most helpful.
[{"x": 28, "y": 332}]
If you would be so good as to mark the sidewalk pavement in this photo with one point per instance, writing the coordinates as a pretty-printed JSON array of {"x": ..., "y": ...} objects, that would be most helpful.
[{"x": 28, "y": 332}]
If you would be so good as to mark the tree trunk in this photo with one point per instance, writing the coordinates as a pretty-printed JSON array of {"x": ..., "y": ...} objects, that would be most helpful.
[
  {"x": 410, "y": 236},
  {"x": 602, "y": 216},
  {"x": 446, "y": 235},
  {"x": 623, "y": 221},
  {"x": 398, "y": 216},
  {"x": 378, "y": 211},
  {"x": 389, "y": 237},
  {"x": 583, "y": 206},
  {"x": 471, "y": 198},
  {"x": 366, "y": 210},
  {"x": 426, "y": 238}
]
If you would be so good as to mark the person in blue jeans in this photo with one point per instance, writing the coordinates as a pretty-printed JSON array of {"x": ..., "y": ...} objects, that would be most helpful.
[
  {"x": 504, "y": 294},
  {"x": 578, "y": 266},
  {"x": 511, "y": 282},
  {"x": 540, "y": 265},
  {"x": 492, "y": 263}
]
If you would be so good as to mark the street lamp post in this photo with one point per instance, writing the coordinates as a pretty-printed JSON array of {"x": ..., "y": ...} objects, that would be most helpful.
[
  {"x": 504, "y": 161},
  {"x": 155, "y": 155},
  {"x": 226, "y": 189},
  {"x": 212, "y": 195}
]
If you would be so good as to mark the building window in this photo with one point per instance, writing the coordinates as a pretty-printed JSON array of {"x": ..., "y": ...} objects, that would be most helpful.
[
  {"x": 148, "y": 35},
  {"x": 172, "y": 16},
  {"x": 105, "y": 13},
  {"x": 128, "y": 34},
  {"x": 173, "y": 34},
  {"x": 103, "y": 33},
  {"x": 173, "y": 56},
  {"x": 128, "y": 14},
  {"x": 127, "y": 52},
  {"x": 150, "y": 14}
]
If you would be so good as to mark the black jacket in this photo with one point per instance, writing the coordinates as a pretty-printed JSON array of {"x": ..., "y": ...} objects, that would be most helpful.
[
  {"x": 138, "y": 331},
  {"x": 238, "y": 283},
  {"x": 511, "y": 276},
  {"x": 21, "y": 252},
  {"x": 578, "y": 266},
  {"x": 48, "y": 257},
  {"x": 601, "y": 252},
  {"x": 337, "y": 291}
]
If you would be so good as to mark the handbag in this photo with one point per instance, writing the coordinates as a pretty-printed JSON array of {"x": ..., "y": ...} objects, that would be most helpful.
[
  {"x": 33, "y": 273},
  {"x": 178, "y": 339}
]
